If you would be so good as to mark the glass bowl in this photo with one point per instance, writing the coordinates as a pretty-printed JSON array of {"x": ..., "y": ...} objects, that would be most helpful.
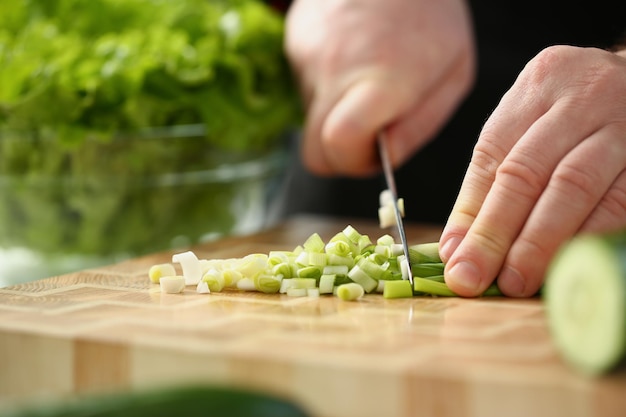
[{"x": 69, "y": 207}]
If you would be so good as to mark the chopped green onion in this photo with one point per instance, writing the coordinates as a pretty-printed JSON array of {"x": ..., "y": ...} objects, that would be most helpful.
[
  {"x": 268, "y": 284},
  {"x": 246, "y": 284},
  {"x": 339, "y": 247},
  {"x": 398, "y": 289},
  {"x": 172, "y": 284},
  {"x": 161, "y": 270},
  {"x": 297, "y": 292},
  {"x": 327, "y": 283},
  {"x": 314, "y": 243},
  {"x": 313, "y": 292},
  {"x": 424, "y": 253},
  {"x": 190, "y": 266},
  {"x": 352, "y": 234},
  {"x": 214, "y": 280},
  {"x": 427, "y": 269},
  {"x": 350, "y": 292},
  {"x": 426, "y": 286},
  {"x": 361, "y": 277},
  {"x": 310, "y": 272}
]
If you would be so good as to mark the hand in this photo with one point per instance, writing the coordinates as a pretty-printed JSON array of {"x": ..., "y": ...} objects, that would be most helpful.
[
  {"x": 368, "y": 64},
  {"x": 550, "y": 162}
]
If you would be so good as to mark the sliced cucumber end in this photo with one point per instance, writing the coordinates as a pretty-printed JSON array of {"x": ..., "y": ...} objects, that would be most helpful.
[{"x": 585, "y": 295}]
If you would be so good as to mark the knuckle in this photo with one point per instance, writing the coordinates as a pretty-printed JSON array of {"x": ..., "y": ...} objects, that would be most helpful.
[
  {"x": 521, "y": 177},
  {"x": 575, "y": 183}
]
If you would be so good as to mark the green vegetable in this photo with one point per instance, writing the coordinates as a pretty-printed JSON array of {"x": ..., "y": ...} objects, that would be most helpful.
[
  {"x": 112, "y": 112},
  {"x": 585, "y": 298},
  {"x": 350, "y": 291},
  {"x": 196, "y": 401},
  {"x": 397, "y": 289}
]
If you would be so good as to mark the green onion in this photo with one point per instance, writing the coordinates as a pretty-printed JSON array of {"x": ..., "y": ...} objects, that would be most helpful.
[
  {"x": 314, "y": 243},
  {"x": 310, "y": 272},
  {"x": 427, "y": 269},
  {"x": 426, "y": 286},
  {"x": 297, "y": 292},
  {"x": 361, "y": 277},
  {"x": 350, "y": 292},
  {"x": 327, "y": 283},
  {"x": 398, "y": 289},
  {"x": 268, "y": 284},
  {"x": 424, "y": 253},
  {"x": 214, "y": 279}
]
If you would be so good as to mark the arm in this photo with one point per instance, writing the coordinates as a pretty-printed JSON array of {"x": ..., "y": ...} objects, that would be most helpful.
[{"x": 369, "y": 64}]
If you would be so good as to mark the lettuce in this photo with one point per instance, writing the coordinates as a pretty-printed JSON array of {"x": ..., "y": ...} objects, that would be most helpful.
[{"x": 96, "y": 102}]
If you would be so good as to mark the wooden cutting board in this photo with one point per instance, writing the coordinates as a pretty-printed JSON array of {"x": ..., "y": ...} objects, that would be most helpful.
[{"x": 111, "y": 329}]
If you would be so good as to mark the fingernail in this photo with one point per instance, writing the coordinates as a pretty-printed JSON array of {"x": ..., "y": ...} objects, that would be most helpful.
[
  {"x": 448, "y": 247},
  {"x": 511, "y": 282},
  {"x": 464, "y": 274}
]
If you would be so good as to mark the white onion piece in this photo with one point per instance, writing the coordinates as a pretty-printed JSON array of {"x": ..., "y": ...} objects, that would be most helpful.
[
  {"x": 192, "y": 269},
  {"x": 172, "y": 285}
]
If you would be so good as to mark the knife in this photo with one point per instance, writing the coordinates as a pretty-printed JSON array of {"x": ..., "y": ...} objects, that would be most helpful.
[{"x": 391, "y": 185}]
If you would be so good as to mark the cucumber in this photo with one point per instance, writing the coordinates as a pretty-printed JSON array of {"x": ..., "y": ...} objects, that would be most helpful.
[
  {"x": 187, "y": 401},
  {"x": 585, "y": 299}
]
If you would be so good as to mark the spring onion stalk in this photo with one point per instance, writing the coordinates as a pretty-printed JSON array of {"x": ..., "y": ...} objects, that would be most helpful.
[
  {"x": 398, "y": 289},
  {"x": 435, "y": 278},
  {"x": 362, "y": 278},
  {"x": 173, "y": 284},
  {"x": 318, "y": 259},
  {"x": 314, "y": 243},
  {"x": 214, "y": 280},
  {"x": 268, "y": 284},
  {"x": 427, "y": 286},
  {"x": 203, "y": 288},
  {"x": 310, "y": 272},
  {"x": 327, "y": 283},
  {"x": 335, "y": 270},
  {"x": 339, "y": 248},
  {"x": 352, "y": 234},
  {"x": 427, "y": 269},
  {"x": 190, "y": 265},
  {"x": 297, "y": 292},
  {"x": 492, "y": 291},
  {"x": 313, "y": 292},
  {"x": 340, "y": 260},
  {"x": 284, "y": 269},
  {"x": 350, "y": 292},
  {"x": 161, "y": 270},
  {"x": 424, "y": 253}
]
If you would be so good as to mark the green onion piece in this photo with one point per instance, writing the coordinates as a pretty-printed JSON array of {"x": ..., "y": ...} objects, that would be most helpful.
[
  {"x": 318, "y": 259},
  {"x": 383, "y": 250},
  {"x": 246, "y": 284},
  {"x": 426, "y": 286},
  {"x": 285, "y": 284},
  {"x": 286, "y": 270},
  {"x": 427, "y": 269},
  {"x": 161, "y": 270},
  {"x": 350, "y": 292},
  {"x": 385, "y": 240},
  {"x": 334, "y": 259},
  {"x": 361, "y": 277},
  {"x": 279, "y": 257},
  {"x": 492, "y": 291},
  {"x": 253, "y": 264},
  {"x": 398, "y": 289},
  {"x": 335, "y": 270},
  {"x": 373, "y": 269},
  {"x": 268, "y": 284},
  {"x": 352, "y": 234},
  {"x": 304, "y": 282},
  {"x": 338, "y": 247},
  {"x": 327, "y": 283},
  {"x": 310, "y": 272},
  {"x": 231, "y": 276},
  {"x": 424, "y": 253},
  {"x": 314, "y": 243},
  {"x": 365, "y": 244},
  {"x": 297, "y": 292},
  {"x": 313, "y": 292},
  {"x": 214, "y": 279},
  {"x": 435, "y": 278},
  {"x": 381, "y": 286},
  {"x": 378, "y": 258}
]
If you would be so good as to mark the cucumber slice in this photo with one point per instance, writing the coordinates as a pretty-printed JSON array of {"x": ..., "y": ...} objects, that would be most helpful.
[{"x": 585, "y": 298}]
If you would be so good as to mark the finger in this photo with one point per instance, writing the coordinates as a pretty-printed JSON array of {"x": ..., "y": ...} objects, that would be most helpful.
[
  {"x": 575, "y": 189},
  {"x": 510, "y": 120},
  {"x": 610, "y": 214},
  {"x": 518, "y": 182},
  {"x": 349, "y": 132},
  {"x": 312, "y": 152}
]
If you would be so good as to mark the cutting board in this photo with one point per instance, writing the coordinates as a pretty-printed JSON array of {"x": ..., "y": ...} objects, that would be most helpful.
[{"x": 110, "y": 329}]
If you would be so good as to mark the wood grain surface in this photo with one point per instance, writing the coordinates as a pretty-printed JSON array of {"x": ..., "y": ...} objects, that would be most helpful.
[{"x": 110, "y": 329}]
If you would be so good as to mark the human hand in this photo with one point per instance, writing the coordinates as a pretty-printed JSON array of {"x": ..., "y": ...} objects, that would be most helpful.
[
  {"x": 367, "y": 64},
  {"x": 550, "y": 162}
]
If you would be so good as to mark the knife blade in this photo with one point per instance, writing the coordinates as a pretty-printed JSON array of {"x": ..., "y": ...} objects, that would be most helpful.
[{"x": 391, "y": 186}]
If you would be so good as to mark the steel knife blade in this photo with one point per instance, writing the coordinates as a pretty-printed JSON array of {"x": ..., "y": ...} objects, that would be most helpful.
[{"x": 391, "y": 186}]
